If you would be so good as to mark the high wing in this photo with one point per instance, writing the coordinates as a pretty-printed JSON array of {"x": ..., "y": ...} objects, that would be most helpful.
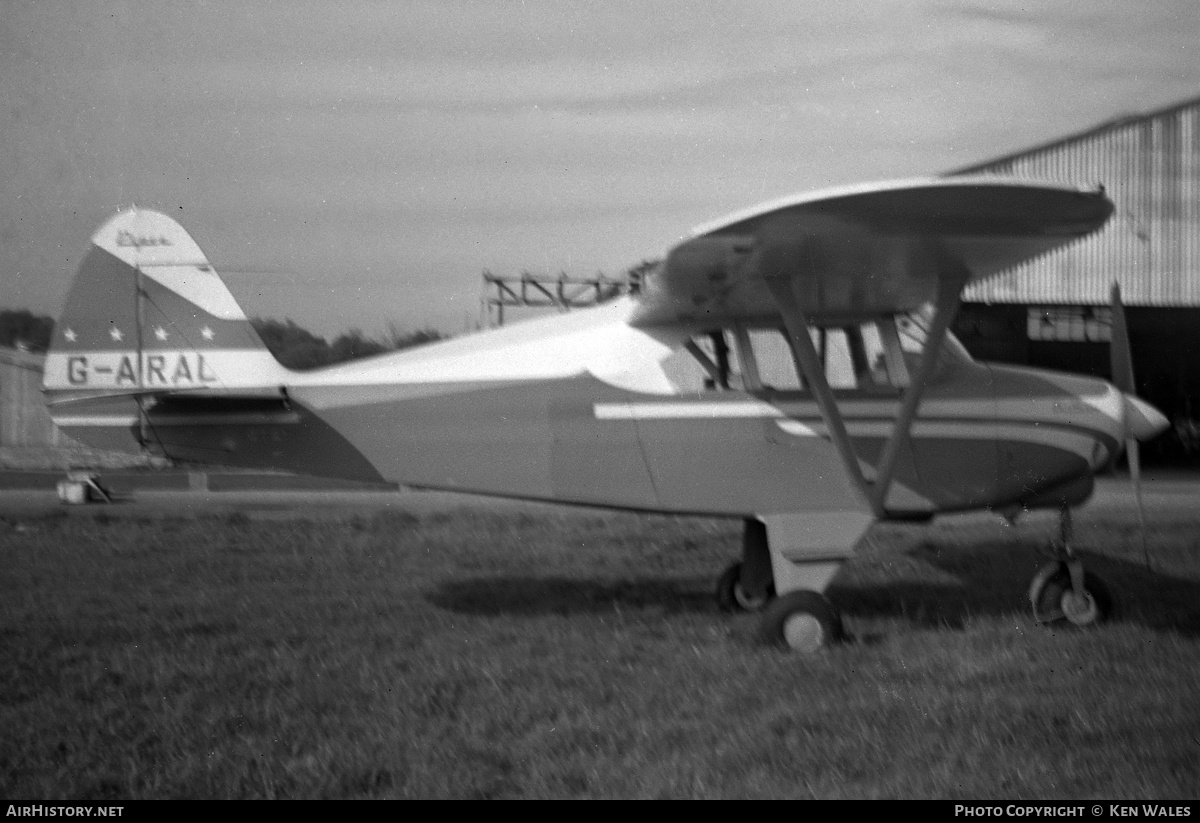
[
  {"x": 845, "y": 256},
  {"x": 860, "y": 252}
]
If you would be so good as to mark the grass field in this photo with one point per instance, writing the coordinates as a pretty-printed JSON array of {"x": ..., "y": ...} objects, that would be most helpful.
[{"x": 556, "y": 653}]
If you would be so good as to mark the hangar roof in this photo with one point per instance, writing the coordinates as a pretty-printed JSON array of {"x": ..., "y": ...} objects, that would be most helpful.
[{"x": 1149, "y": 165}]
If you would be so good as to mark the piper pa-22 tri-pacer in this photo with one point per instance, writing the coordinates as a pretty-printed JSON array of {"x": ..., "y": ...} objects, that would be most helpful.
[{"x": 790, "y": 366}]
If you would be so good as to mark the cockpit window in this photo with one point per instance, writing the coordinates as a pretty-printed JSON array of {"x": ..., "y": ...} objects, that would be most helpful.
[{"x": 875, "y": 357}]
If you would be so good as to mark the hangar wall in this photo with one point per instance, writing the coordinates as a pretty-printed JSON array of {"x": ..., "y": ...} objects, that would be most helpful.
[
  {"x": 1150, "y": 169},
  {"x": 28, "y": 437},
  {"x": 24, "y": 421},
  {"x": 1054, "y": 311}
]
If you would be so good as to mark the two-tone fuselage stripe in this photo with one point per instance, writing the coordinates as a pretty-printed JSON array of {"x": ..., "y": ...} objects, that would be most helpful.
[
  {"x": 1029, "y": 421},
  {"x": 1080, "y": 441},
  {"x": 797, "y": 419},
  {"x": 886, "y": 408}
]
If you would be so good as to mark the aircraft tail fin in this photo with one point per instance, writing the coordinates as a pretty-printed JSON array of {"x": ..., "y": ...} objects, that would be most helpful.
[{"x": 146, "y": 314}]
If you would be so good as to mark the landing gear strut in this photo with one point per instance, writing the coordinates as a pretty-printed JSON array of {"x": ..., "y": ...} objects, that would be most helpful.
[
  {"x": 1063, "y": 591},
  {"x": 749, "y": 585},
  {"x": 732, "y": 596}
]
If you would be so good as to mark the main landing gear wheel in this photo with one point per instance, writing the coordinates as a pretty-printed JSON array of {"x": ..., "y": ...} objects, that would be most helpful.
[
  {"x": 1054, "y": 599},
  {"x": 802, "y": 621},
  {"x": 731, "y": 597}
]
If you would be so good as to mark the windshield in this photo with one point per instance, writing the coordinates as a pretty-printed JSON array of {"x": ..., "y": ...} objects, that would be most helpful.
[{"x": 914, "y": 329}]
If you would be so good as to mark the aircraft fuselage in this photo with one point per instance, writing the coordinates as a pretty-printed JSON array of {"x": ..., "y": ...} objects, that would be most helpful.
[{"x": 577, "y": 409}]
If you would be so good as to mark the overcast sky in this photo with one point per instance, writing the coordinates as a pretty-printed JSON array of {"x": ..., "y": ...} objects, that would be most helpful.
[{"x": 353, "y": 163}]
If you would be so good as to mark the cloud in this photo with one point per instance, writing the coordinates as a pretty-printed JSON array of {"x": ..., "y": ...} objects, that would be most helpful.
[{"x": 401, "y": 148}]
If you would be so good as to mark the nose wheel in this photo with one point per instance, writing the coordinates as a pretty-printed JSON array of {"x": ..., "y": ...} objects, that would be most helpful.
[
  {"x": 1056, "y": 599},
  {"x": 1063, "y": 592}
]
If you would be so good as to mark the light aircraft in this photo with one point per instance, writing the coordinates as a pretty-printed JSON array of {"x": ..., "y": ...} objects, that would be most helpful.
[{"x": 790, "y": 366}]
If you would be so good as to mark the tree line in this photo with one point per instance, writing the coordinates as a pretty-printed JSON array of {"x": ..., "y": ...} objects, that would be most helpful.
[
  {"x": 297, "y": 348},
  {"x": 292, "y": 345},
  {"x": 22, "y": 329}
]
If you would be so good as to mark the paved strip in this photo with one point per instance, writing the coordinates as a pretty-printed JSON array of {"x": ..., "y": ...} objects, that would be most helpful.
[
  {"x": 1173, "y": 492},
  {"x": 295, "y": 504},
  {"x": 173, "y": 479}
]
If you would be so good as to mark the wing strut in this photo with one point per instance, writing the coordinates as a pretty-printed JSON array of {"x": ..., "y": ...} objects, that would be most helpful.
[
  {"x": 950, "y": 285},
  {"x": 874, "y": 490},
  {"x": 813, "y": 370}
]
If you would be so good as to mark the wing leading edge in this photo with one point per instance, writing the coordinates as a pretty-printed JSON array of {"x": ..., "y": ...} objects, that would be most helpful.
[{"x": 866, "y": 251}]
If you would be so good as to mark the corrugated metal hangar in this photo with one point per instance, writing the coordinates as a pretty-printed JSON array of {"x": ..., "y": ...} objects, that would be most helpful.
[{"x": 1054, "y": 312}]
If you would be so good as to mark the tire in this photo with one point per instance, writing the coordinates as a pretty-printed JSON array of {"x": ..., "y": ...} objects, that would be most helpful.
[
  {"x": 1054, "y": 601},
  {"x": 801, "y": 621},
  {"x": 732, "y": 598}
]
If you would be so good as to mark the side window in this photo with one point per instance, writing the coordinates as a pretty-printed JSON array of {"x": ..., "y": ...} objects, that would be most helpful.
[
  {"x": 840, "y": 369},
  {"x": 773, "y": 357},
  {"x": 707, "y": 362},
  {"x": 684, "y": 371},
  {"x": 874, "y": 357},
  {"x": 853, "y": 358},
  {"x": 885, "y": 366}
]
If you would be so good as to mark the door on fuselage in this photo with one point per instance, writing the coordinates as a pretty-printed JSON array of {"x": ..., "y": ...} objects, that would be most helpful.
[
  {"x": 743, "y": 428},
  {"x": 950, "y": 459},
  {"x": 866, "y": 371},
  {"x": 714, "y": 445}
]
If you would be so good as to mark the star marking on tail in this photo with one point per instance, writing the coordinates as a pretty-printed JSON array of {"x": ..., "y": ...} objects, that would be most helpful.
[
  {"x": 70, "y": 335},
  {"x": 115, "y": 334},
  {"x": 206, "y": 333},
  {"x": 160, "y": 333}
]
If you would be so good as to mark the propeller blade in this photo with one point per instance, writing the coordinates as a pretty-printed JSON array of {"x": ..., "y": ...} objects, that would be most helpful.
[
  {"x": 1142, "y": 421},
  {"x": 1133, "y": 452},
  {"x": 1121, "y": 357}
]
